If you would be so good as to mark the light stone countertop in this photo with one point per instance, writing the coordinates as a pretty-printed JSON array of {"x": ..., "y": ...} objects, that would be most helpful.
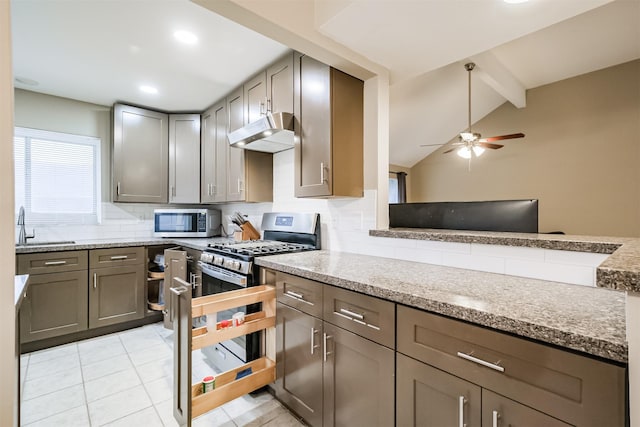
[
  {"x": 193, "y": 243},
  {"x": 621, "y": 270},
  {"x": 585, "y": 319}
]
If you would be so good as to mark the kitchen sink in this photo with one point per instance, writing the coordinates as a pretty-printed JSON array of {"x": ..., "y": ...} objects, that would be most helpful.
[{"x": 60, "y": 242}]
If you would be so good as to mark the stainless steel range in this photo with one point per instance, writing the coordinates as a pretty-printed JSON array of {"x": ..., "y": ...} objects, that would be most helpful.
[{"x": 229, "y": 266}]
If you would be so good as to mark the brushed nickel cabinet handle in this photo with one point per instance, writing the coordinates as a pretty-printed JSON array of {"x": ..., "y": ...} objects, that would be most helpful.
[
  {"x": 321, "y": 172},
  {"x": 325, "y": 338},
  {"x": 352, "y": 314},
  {"x": 494, "y": 418},
  {"x": 55, "y": 262},
  {"x": 313, "y": 339},
  {"x": 293, "y": 294},
  {"x": 95, "y": 280},
  {"x": 461, "y": 402},
  {"x": 118, "y": 189},
  {"x": 118, "y": 257},
  {"x": 490, "y": 365}
]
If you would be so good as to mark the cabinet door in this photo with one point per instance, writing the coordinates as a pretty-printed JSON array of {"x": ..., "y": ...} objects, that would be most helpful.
[
  {"x": 498, "y": 411},
  {"x": 280, "y": 85},
  {"x": 140, "y": 155},
  {"x": 214, "y": 154},
  {"x": 55, "y": 304},
  {"x": 255, "y": 98},
  {"x": 235, "y": 159},
  {"x": 429, "y": 397},
  {"x": 358, "y": 380},
  {"x": 184, "y": 158},
  {"x": 312, "y": 147},
  {"x": 176, "y": 266},
  {"x": 299, "y": 363},
  {"x": 116, "y": 294}
]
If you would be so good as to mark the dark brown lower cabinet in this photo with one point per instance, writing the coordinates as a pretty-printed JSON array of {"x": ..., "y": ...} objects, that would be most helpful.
[
  {"x": 330, "y": 376},
  {"x": 498, "y": 411},
  {"x": 116, "y": 294},
  {"x": 299, "y": 362},
  {"x": 429, "y": 397},
  {"x": 358, "y": 380},
  {"x": 55, "y": 304}
]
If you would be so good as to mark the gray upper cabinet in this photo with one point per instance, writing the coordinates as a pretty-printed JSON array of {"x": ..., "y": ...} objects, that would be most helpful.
[
  {"x": 214, "y": 153},
  {"x": 249, "y": 173},
  {"x": 280, "y": 85},
  {"x": 140, "y": 155},
  {"x": 328, "y": 106},
  {"x": 184, "y": 158},
  {"x": 235, "y": 159},
  {"x": 255, "y": 98}
]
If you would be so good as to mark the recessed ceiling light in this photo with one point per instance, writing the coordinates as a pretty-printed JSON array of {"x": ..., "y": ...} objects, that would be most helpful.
[
  {"x": 25, "y": 81},
  {"x": 148, "y": 89},
  {"x": 186, "y": 37},
  {"x": 515, "y": 1}
]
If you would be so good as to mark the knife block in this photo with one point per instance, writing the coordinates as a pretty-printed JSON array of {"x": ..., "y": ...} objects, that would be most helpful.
[{"x": 248, "y": 233}]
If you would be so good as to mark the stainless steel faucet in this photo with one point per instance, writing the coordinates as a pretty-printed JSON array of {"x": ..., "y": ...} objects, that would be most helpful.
[{"x": 23, "y": 236}]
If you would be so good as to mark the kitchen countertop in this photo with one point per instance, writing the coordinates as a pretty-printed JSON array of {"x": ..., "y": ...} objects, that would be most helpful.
[
  {"x": 20, "y": 284},
  {"x": 619, "y": 271},
  {"x": 585, "y": 319},
  {"x": 194, "y": 243}
]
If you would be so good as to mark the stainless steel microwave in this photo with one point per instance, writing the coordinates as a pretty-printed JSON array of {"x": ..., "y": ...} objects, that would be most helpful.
[{"x": 186, "y": 222}]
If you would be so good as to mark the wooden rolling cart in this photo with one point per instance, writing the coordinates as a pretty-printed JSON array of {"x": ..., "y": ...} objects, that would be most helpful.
[{"x": 189, "y": 401}]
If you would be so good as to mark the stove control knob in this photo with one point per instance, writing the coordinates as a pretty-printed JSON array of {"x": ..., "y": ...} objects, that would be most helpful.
[
  {"x": 236, "y": 265},
  {"x": 218, "y": 260}
]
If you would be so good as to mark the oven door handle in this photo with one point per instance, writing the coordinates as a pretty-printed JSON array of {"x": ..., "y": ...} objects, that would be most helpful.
[{"x": 224, "y": 275}]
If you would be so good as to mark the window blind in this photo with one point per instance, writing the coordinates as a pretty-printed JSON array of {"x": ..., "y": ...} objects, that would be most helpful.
[{"x": 57, "y": 177}]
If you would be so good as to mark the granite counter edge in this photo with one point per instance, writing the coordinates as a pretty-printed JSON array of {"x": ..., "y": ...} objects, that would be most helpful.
[{"x": 567, "y": 340}]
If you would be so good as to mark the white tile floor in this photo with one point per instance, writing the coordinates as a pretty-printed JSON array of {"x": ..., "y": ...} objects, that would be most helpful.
[{"x": 125, "y": 379}]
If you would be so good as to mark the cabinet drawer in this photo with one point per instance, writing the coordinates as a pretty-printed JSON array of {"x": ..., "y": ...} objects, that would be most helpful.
[
  {"x": 99, "y": 258},
  {"x": 303, "y": 294},
  {"x": 52, "y": 262},
  {"x": 574, "y": 388},
  {"x": 367, "y": 316}
]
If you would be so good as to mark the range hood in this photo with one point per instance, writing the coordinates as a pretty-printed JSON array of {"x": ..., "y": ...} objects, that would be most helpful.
[{"x": 271, "y": 133}]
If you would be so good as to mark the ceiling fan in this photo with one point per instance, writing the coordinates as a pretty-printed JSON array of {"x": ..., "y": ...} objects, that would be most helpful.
[{"x": 471, "y": 144}]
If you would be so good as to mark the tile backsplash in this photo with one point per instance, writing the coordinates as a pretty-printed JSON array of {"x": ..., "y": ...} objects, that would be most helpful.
[{"x": 345, "y": 227}]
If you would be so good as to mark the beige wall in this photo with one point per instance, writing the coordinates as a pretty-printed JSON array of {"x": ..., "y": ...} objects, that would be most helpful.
[
  {"x": 8, "y": 368},
  {"x": 47, "y": 112},
  {"x": 580, "y": 156}
]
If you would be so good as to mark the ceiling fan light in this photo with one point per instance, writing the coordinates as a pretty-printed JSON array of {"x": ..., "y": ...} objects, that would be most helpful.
[
  {"x": 465, "y": 152},
  {"x": 478, "y": 151}
]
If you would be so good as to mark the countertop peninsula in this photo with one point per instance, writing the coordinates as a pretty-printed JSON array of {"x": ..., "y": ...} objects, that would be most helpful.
[{"x": 585, "y": 319}]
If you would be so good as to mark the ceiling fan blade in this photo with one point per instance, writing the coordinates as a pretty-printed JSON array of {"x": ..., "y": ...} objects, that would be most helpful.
[
  {"x": 439, "y": 145},
  {"x": 501, "y": 137},
  {"x": 448, "y": 151},
  {"x": 489, "y": 145}
]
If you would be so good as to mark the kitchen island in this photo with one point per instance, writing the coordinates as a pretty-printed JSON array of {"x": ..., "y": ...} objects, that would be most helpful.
[{"x": 538, "y": 350}]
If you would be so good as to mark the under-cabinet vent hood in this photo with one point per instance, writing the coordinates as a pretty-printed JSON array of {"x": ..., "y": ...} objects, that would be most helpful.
[{"x": 271, "y": 133}]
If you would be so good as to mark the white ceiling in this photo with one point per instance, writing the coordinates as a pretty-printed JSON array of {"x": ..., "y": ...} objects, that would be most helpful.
[
  {"x": 100, "y": 51},
  {"x": 424, "y": 44}
]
